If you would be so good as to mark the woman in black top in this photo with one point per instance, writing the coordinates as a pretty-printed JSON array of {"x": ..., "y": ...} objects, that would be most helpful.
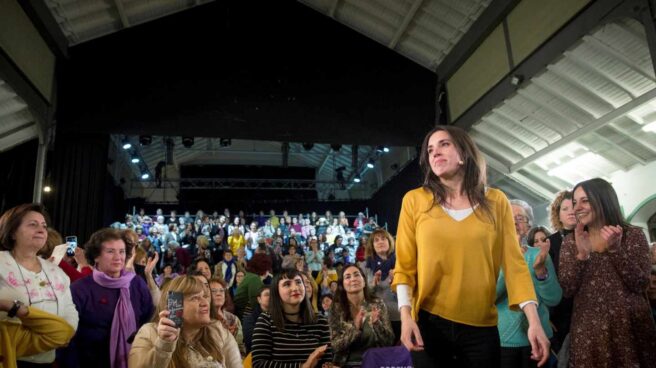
[{"x": 290, "y": 334}]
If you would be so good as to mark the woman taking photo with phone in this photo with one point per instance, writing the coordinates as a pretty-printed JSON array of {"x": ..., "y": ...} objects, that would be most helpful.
[
  {"x": 290, "y": 333},
  {"x": 198, "y": 342},
  {"x": 453, "y": 237},
  {"x": 605, "y": 267}
]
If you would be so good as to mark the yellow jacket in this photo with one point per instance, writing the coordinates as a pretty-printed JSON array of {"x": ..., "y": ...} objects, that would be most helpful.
[
  {"x": 452, "y": 266},
  {"x": 39, "y": 331},
  {"x": 236, "y": 243}
]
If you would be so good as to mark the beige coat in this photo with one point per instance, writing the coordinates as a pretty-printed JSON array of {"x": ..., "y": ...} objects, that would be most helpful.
[{"x": 148, "y": 350}]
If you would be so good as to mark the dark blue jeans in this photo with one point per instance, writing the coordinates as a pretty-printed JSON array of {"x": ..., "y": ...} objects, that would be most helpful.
[{"x": 450, "y": 344}]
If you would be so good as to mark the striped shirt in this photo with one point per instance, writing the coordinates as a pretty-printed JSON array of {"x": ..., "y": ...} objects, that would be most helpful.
[{"x": 290, "y": 347}]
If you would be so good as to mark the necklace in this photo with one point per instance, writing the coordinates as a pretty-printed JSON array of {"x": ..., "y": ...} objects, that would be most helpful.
[{"x": 42, "y": 283}]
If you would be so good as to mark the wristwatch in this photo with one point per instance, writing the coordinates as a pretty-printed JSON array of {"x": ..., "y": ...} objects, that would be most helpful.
[{"x": 12, "y": 312}]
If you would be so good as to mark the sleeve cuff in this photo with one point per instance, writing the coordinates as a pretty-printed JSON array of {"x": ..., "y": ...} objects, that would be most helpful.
[
  {"x": 403, "y": 295},
  {"x": 523, "y": 304}
]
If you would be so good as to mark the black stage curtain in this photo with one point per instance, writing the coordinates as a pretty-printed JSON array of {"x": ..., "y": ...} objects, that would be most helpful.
[
  {"x": 386, "y": 202},
  {"x": 17, "y": 179},
  {"x": 79, "y": 172}
]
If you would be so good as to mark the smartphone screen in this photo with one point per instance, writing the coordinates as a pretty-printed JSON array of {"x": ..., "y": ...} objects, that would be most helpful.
[
  {"x": 71, "y": 244},
  {"x": 175, "y": 303}
]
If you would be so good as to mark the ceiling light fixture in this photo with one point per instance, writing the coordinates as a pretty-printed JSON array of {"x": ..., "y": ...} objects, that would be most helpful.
[{"x": 125, "y": 143}]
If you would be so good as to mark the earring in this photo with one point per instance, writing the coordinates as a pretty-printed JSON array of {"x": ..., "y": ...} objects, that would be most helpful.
[{"x": 461, "y": 162}]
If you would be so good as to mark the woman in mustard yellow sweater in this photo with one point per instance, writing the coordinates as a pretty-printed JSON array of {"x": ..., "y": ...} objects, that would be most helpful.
[{"x": 454, "y": 235}]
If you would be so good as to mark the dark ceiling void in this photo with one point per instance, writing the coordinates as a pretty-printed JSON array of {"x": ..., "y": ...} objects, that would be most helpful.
[{"x": 265, "y": 70}]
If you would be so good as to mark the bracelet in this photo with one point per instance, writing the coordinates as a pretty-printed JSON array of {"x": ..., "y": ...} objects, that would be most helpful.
[{"x": 14, "y": 309}]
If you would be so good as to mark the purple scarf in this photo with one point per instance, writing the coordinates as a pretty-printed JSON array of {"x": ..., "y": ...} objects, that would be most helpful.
[{"x": 123, "y": 323}]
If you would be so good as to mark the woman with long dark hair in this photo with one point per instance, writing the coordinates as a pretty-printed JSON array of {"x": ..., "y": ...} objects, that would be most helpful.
[
  {"x": 453, "y": 237},
  {"x": 290, "y": 333},
  {"x": 358, "y": 319},
  {"x": 605, "y": 267}
]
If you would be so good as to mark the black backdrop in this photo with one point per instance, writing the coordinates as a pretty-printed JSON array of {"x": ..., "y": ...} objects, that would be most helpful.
[{"x": 17, "y": 175}]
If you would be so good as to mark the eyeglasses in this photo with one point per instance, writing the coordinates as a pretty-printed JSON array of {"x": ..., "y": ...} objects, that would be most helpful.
[{"x": 521, "y": 219}]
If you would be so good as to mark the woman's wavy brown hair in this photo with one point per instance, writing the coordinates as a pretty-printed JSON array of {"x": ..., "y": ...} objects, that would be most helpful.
[
  {"x": 554, "y": 209},
  {"x": 473, "y": 167}
]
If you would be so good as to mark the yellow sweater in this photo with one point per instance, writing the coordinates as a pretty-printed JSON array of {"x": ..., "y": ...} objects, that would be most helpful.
[
  {"x": 236, "y": 243},
  {"x": 452, "y": 266},
  {"x": 38, "y": 332}
]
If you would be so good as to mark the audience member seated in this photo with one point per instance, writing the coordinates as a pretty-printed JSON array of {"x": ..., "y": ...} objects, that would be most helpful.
[
  {"x": 112, "y": 305},
  {"x": 199, "y": 342},
  {"x": 513, "y": 325},
  {"x": 326, "y": 303},
  {"x": 258, "y": 268},
  {"x": 202, "y": 267},
  {"x": 358, "y": 320},
  {"x": 221, "y": 299},
  {"x": 35, "y": 281},
  {"x": 251, "y": 318},
  {"x": 227, "y": 268},
  {"x": 380, "y": 258},
  {"x": 167, "y": 273},
  {"x": 289, "y": 261},
  {"x": 290, "y": 334},
  {"x": 311, "y": 290},
  {"x": 36, "y": 332}
]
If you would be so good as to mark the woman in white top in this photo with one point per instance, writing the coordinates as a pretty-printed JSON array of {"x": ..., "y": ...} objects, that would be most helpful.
[{"x": 42, "y": 284}]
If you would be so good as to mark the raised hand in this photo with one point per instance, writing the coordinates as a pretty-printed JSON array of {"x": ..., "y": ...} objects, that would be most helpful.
[
  {"x": 375, "y": 314},
  {"x": 166, "y": 329},
  {"x": 358, "y": 319},
  {"x": 583, "y": 243},
  {"x": 540, "y": 260},
  {"x": 612, "y": 236},
  {"x": 152, "y": 262}
]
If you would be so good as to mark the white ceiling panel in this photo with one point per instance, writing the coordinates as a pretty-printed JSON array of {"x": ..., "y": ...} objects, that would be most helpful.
[{"x": 583, "y": 115}]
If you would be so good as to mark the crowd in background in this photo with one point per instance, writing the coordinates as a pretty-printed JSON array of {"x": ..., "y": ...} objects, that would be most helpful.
[{"x": 282, "y": 290}]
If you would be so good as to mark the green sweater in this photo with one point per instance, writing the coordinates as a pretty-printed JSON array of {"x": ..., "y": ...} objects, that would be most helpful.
[
  {"x": 246, "y": 294},
  {"x": 513, "y": 325}
]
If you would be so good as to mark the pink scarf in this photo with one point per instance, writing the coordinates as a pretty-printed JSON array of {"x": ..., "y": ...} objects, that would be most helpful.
[{"x": 124, "y": 323}]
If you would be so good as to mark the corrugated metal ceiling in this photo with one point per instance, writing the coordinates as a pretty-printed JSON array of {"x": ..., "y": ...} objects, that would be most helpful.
[
  {"x": 17, "y": 124},
  {"x": 85, "y": 20},
  {"x": 422, "y": 30},
  {"x": 580, "y": 118}
]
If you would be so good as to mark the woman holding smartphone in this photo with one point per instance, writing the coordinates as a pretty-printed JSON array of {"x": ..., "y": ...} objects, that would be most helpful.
[
  {"x": 198, "y": 342},
  {"x": 290, "y": 334},
  {"x": 453, "y": 237},
  {"x": 605, "y": 267}
]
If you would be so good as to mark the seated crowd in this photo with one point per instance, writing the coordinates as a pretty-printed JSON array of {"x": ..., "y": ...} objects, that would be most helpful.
[{"x": 302, "y": 291}]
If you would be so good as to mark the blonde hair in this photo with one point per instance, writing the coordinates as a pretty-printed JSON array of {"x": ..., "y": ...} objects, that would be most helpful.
[
  {"x": 188, "y": 285},
  {"x": 202, "y": 241},
  {"x": 369, "y": 248}
]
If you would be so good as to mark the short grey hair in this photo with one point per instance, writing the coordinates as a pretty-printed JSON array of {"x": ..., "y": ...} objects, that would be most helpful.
[{"x": 527, "y": 208}]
